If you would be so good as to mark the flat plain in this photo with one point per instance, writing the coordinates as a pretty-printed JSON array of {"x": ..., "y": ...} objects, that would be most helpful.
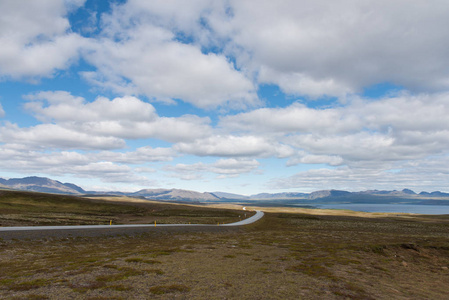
[{"x": 286, "y": 255}]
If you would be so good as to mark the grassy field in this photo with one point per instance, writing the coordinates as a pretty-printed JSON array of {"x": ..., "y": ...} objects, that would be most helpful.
[
  {"x": 32, "y": 209},
  {"x": 283, "y": 256}
]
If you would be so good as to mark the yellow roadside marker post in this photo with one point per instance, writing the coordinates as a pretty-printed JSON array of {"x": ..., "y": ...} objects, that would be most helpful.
[
  {"x": 110, "y": 222},
  {"x": 154, "y": 223}
]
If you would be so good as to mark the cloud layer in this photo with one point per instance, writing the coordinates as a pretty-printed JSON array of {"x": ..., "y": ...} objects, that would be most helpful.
[
  {"x": 36, "y": 39},
  {"x": 177, "y": 91}
]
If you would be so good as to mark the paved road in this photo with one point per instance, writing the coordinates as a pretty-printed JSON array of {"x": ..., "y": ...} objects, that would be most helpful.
[
  {"x": 247, "y": 221},
  {"x": 259, "y": 214}
]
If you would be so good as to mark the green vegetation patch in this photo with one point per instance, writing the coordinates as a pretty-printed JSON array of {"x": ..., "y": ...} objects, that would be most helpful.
[{"x": 28, "y": 285}]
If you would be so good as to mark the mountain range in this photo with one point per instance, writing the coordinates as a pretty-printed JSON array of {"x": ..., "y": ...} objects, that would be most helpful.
[
  {"x": 41, "y": 184},
  {"x": 46, "y": 185}
]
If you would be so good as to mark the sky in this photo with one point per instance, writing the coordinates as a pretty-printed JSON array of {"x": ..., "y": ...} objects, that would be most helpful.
[{"x": 220, "y": 95}]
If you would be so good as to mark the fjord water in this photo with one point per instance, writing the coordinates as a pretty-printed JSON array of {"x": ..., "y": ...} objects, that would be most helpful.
[{"x": 390, "y": 208}]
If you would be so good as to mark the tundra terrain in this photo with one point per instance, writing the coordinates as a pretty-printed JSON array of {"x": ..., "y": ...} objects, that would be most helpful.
[{"x": 285, "y": 255}]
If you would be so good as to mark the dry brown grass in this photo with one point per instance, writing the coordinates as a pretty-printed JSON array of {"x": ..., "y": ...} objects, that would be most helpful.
[{"x": 283, "y": 256}]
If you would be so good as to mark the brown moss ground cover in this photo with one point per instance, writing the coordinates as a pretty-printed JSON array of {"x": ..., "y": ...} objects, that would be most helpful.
[
  {"x": 18, "y": 208},
  {"x": 283, "y": 256}
]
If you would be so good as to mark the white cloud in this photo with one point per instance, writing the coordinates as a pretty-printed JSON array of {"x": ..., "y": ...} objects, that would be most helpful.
[
  {"x": 295, "y": 83},
  {"x": 213, "y": 54},
  {"x": 138, "y": 54},
  {"x": 73, "y": 4},
  {"x": 36, "y": 38},
  {"x": 139, "y": 156},
  {"x": 162, "y": 49},
  {"x": 332, "y": 160},
  {"x": 51, "y": 136},
  {"x": 315, "y": 49},
  {"x": 419, "y": 175},
  {"x": 234, "y": 166},
  {"x": 364, "y": 134},
  {"x": 395, "y": 128},
  {"x": 65, "y": 162},
  {"x": 405, "y": 112},
  {"x": 71, "y": 122},
  {"x": 120, "y": 118},
  {"x": 167, "y": 14},
  {"x": 340, "y": 46},
  {"x": 183, "y": 129},
  {"x": 295, "y": 118},
  {"x": 224, "y": 168},
  {"x": 110, "y": 172},
  {"x": 341, "y": 178},
  {"x": 23, "y": 160},
  {"x": 100, "y": 168},
  {"x": 63, "y": 107},
  {"x": 107, "y": 165},
  {"x": 55, "y": 97},
  {"x": 224, "y": 146},
  {"x": 233, "y": 146},
  {"x": 354, "y": 147}
]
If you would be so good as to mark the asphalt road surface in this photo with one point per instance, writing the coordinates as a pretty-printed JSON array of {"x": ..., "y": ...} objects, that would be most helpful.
[
  {"x": 31, "y": 232},
  {"x": 256, "y": 217}
]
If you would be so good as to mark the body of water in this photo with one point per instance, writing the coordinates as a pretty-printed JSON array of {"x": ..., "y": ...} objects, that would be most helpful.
[{"x": 391, "y": 208}]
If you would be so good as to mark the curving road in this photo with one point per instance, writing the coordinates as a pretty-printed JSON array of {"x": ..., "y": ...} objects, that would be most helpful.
[
  {"x": 250, "y": 220},
  {"x": 259, "y": 214}
]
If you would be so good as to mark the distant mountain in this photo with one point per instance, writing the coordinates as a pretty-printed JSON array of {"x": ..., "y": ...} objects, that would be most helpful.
[
  {"x": 223, "y": 195},
  {"x": 263, "y": 196},
  {"x": 409, "y": 192},
  {"x": 41, "y": 184},
  {"x": 75, "y": 187},
  {"x": 375, "y": 192},
  {"x": 174, "y": 195},
  {"x": 434, "y": 194},
  {"x": 46, "y": 185},
  {"x": 105, "y": 193},
  {"x": 404, "y": 192},
  {"x": 327, "y": 193}
]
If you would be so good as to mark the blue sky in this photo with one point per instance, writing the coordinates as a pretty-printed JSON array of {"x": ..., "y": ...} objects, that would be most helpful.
[{"x": 233, "y": 96}]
